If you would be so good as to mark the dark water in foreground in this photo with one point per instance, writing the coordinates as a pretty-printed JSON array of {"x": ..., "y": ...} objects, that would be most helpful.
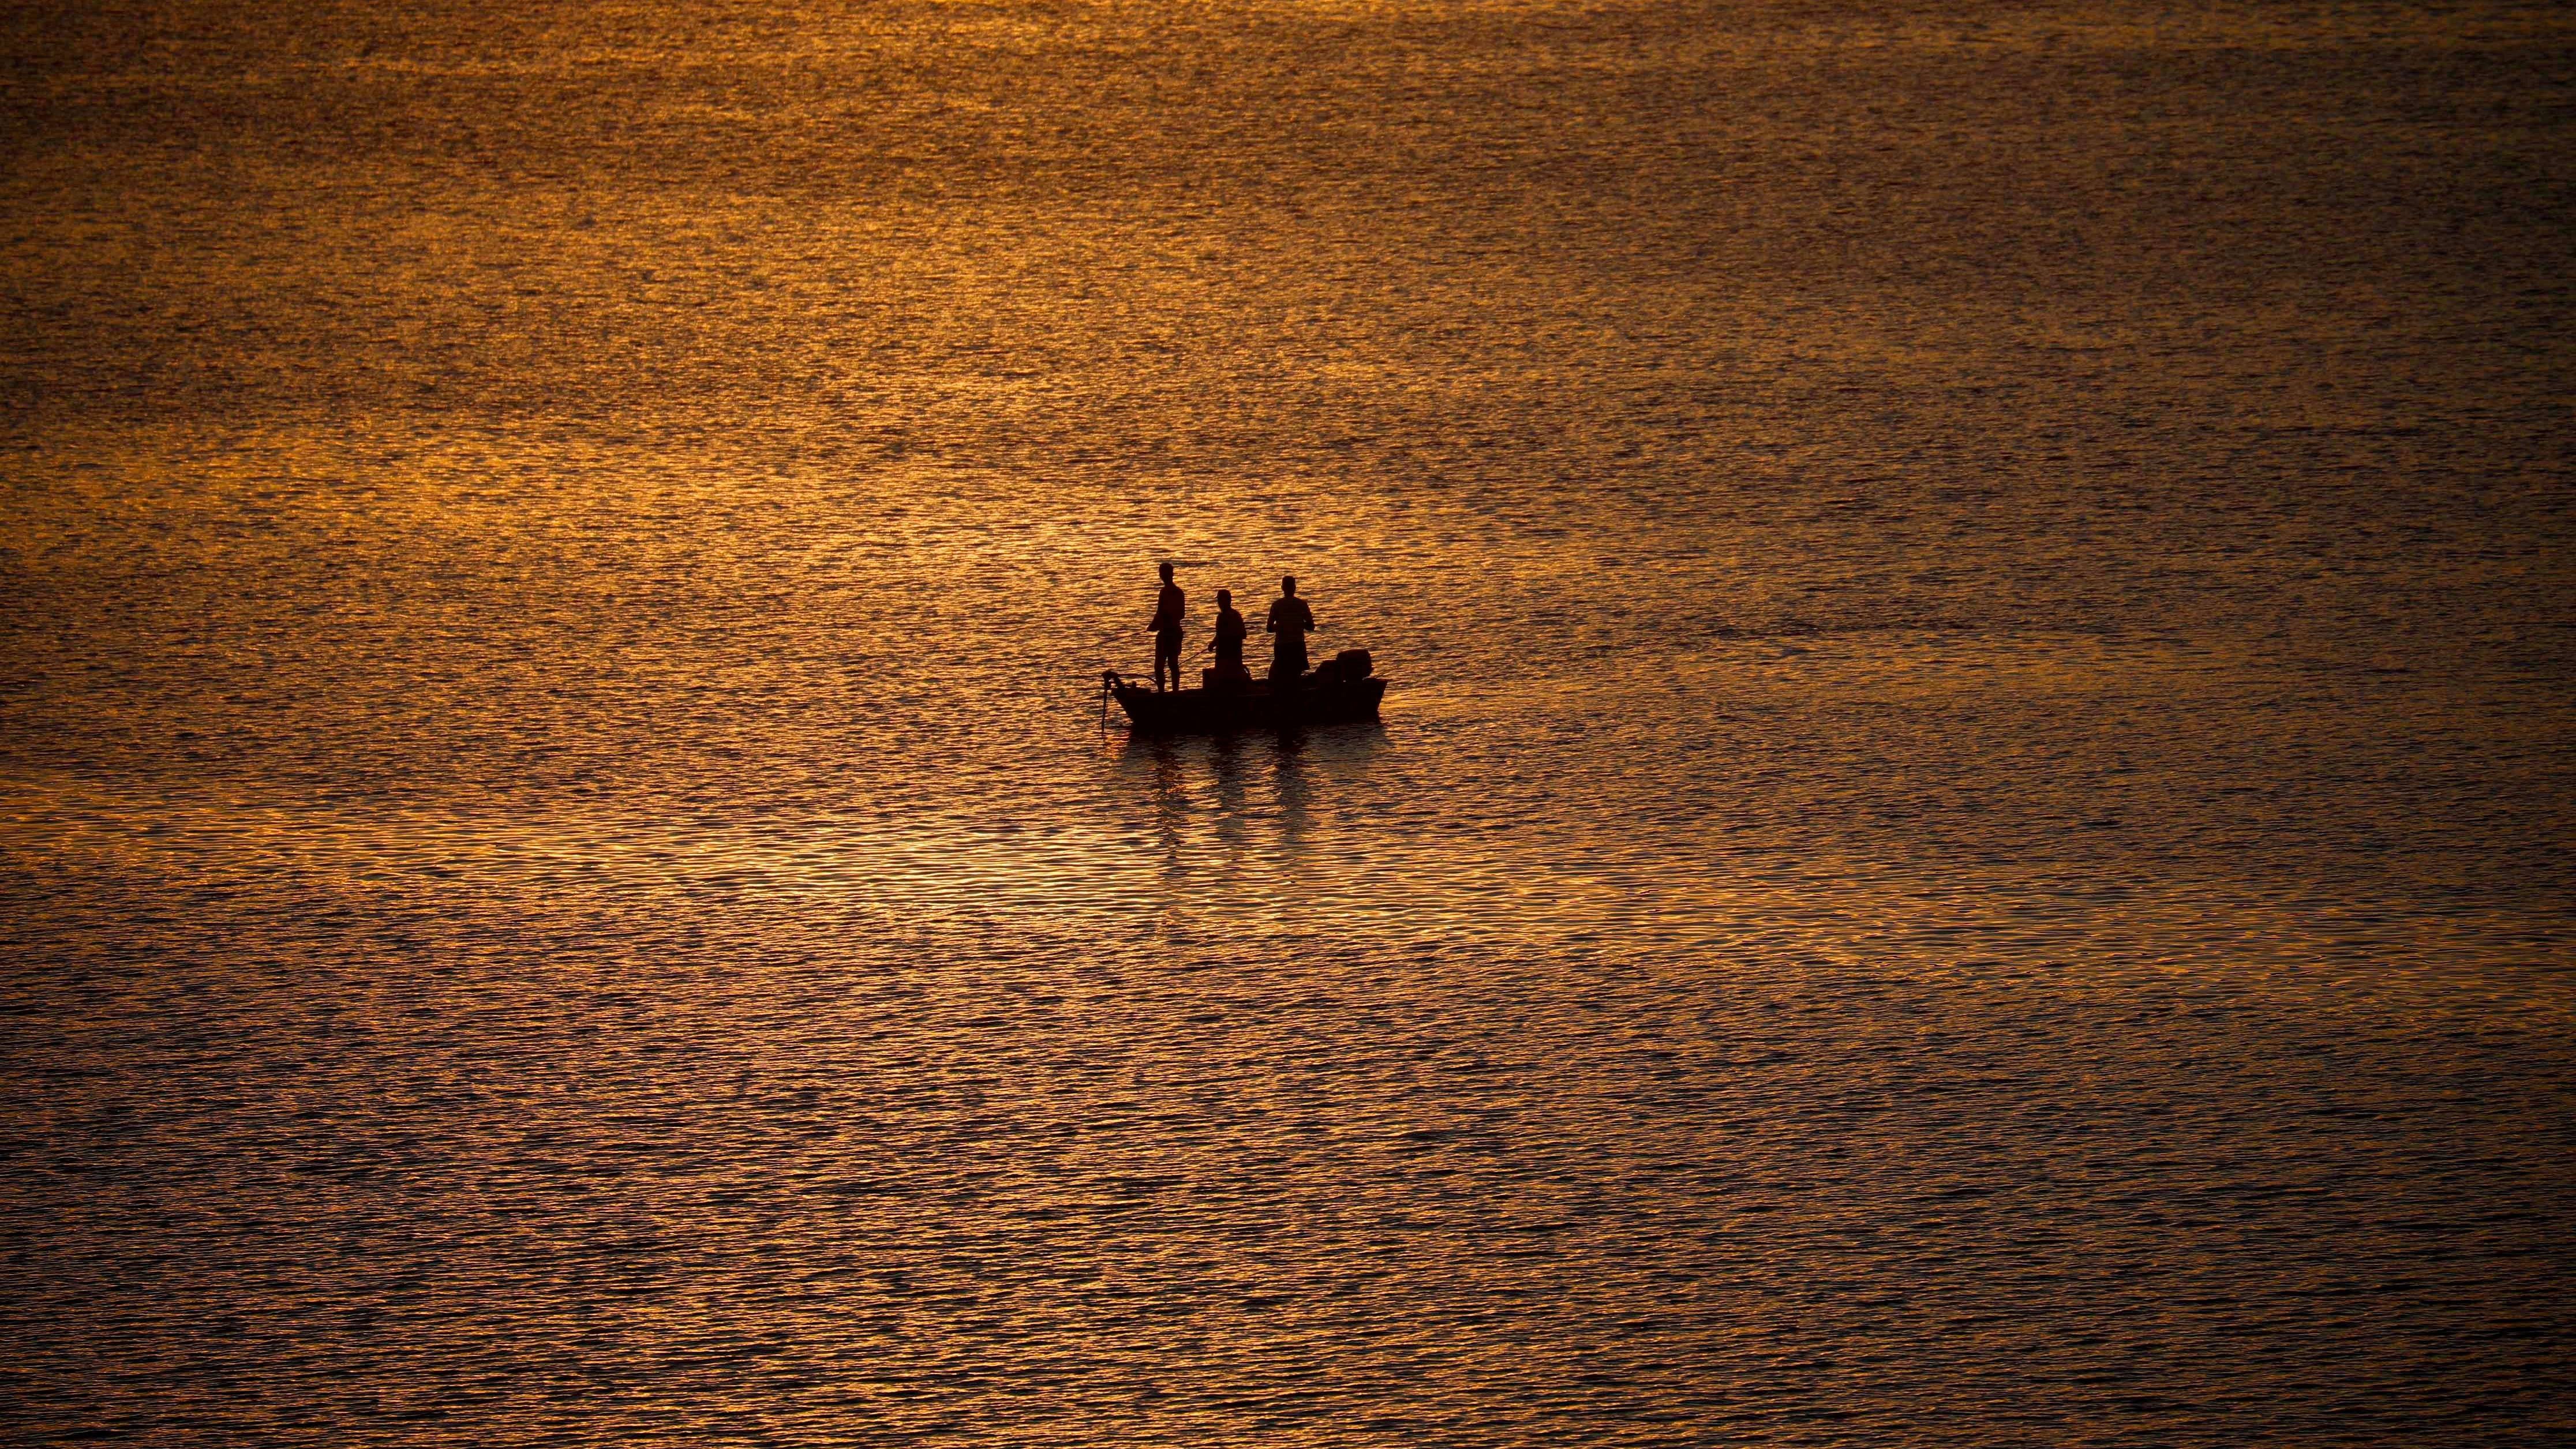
[{"x": 1970, "y": 843}]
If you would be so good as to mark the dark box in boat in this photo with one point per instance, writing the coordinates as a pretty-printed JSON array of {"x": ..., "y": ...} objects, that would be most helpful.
[{"x": 1344, "y": 667}]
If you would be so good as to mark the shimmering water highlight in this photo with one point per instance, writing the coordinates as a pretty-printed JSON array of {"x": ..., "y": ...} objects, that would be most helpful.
[{"x": 1969, "y": 842}]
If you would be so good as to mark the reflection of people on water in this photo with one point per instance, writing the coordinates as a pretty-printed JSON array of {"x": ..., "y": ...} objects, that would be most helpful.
[
  {"x": 1167, "y": 630},
  {"x": 1290, "y": 622},
  {"x": 1228, "y": 643}
]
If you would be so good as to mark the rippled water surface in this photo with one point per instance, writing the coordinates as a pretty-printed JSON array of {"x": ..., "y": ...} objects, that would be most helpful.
[{"x": 1970, "y": 839}]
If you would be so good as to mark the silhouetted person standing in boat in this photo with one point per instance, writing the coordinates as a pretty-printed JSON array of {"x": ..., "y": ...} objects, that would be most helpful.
[
  {"x": 1290, "y": 622},
  {"x": 1167, "y": 629},
  {"x": 1228, "y": 643}
]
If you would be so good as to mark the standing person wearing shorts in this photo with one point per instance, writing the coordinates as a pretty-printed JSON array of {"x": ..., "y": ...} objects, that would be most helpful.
[
  {"x": 1290, "y": 622},
  {"x": 1166, "y": 629}
]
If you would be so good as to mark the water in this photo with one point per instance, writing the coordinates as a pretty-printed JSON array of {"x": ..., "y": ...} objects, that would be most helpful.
[{"x": 1969, "y": 842}]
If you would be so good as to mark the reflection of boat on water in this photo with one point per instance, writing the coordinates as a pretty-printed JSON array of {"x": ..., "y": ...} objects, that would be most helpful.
[{"x": 1342, "y": 691}]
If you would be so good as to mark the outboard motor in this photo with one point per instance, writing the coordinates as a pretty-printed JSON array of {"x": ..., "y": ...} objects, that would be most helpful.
[{"x": 1347, "y": 667}]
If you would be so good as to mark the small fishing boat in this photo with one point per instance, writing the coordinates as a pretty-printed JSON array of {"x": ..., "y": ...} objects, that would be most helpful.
[{"x": 1341, "y": 691}]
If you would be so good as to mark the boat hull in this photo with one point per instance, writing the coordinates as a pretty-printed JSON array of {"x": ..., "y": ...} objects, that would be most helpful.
[{"x": 1256, "y": 707}]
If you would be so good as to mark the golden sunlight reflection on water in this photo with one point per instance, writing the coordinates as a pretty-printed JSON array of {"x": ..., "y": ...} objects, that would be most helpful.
[{"x": 1968, "y": 842}]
